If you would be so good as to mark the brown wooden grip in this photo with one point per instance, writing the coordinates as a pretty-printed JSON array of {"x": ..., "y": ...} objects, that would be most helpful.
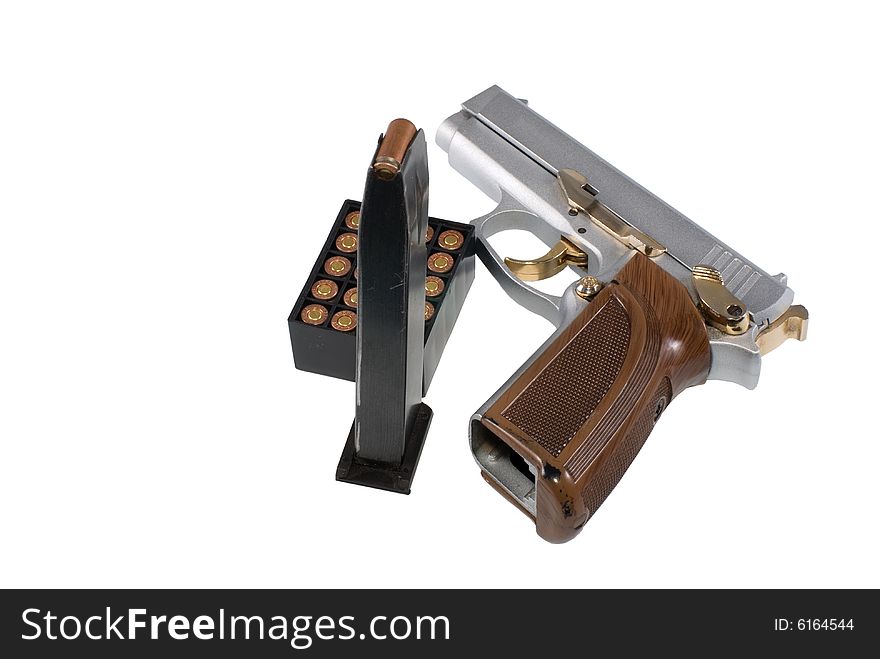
[{"x": 582, "y": 410}]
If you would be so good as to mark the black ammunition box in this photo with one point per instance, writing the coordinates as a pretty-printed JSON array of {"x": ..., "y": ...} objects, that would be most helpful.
[{"x": 327, "y": 351}]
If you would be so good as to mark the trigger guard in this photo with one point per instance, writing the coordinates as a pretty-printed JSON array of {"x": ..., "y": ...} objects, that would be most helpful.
[{"x": 504, "y": 218}]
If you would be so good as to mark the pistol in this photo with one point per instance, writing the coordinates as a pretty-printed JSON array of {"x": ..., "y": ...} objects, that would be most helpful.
[{"x": 657, "y": 305}]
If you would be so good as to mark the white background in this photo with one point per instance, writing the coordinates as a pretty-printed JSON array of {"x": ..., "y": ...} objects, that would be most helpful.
[{"x": 169, "y": 171}]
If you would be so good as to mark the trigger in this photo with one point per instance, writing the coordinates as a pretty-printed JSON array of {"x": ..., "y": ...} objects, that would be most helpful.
[{"x": 561, "y": 255}]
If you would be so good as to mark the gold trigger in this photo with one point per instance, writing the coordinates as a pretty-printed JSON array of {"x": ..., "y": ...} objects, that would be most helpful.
[{"x": 561, "y": 255}]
